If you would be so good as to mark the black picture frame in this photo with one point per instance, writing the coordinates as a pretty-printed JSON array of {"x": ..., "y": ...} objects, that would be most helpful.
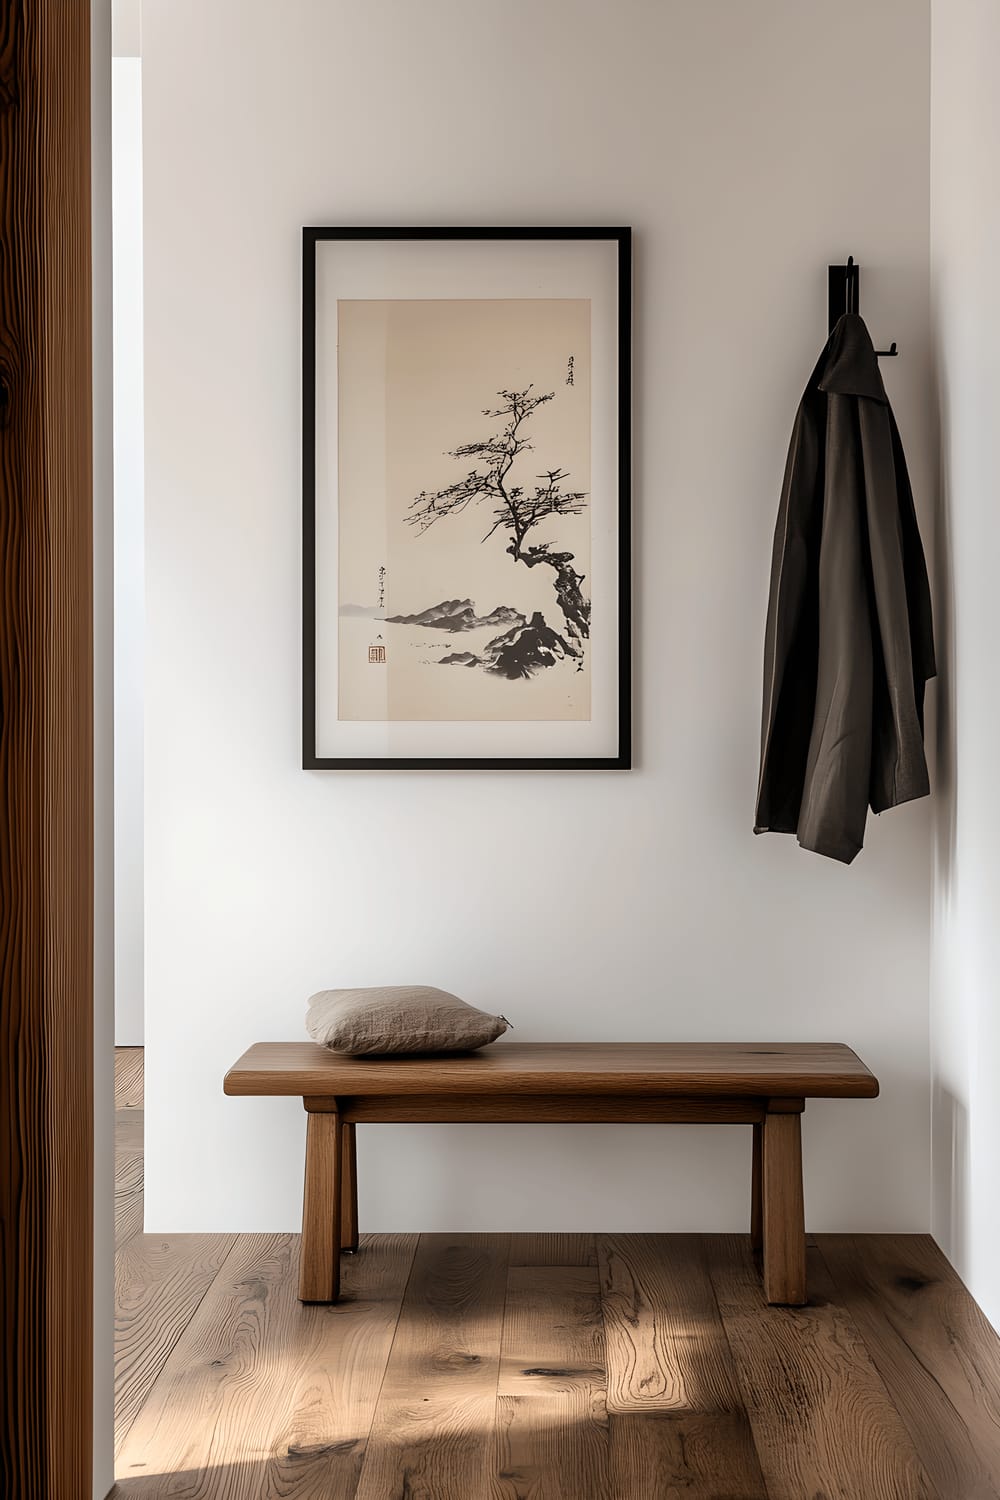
[{"x": 313, "y": 235}]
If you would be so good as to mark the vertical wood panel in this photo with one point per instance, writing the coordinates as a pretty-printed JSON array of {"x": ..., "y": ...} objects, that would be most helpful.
[{"x": 46, "y": 749}]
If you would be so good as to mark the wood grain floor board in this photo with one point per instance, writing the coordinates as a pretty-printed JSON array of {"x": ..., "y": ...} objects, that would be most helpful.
[
  {"x": 553, "y": 1249},
  {"x": 667, "y": 1349},
  {"x": 128, "y": 1197},
  {"x": 129, "y": 1067},
  {"x": 934, "y": 1350},
  {"x": 194, "y": 1421},
  {"x": 433, "y": 1436},
  {"x": 552, "y": 1423},
  {"x": 129, "y": 1132},
  {"x": 159, "y": 1282},
  {"x": 264, "y": 1396},
  {"x": 685, "y": 1456},
  {"x": 129, "y": 1194},
  {"x": 677, "y": 1413},
  {"x": 334, "y": 1370},
  {"x": 822, "y": 1420}
]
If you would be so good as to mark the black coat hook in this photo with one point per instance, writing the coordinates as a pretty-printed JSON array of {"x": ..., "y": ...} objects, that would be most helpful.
[{"x": 844, "y": 296}]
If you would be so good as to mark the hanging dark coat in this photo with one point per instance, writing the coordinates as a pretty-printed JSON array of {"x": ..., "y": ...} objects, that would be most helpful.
[{"x": 849, "y": 643}]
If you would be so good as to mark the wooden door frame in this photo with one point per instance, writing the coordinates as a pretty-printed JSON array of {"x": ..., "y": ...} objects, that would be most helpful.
[{"x": 46, "y": 751}]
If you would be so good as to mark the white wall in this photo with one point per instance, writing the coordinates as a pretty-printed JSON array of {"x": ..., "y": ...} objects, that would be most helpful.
[
  {"x": 749, "y": 145},
  {"x": 965, "y": 235},
  {"x": 128, "y": 545}
]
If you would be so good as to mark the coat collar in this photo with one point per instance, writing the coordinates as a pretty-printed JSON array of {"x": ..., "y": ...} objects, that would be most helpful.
[{"x": 848, "y": 365}]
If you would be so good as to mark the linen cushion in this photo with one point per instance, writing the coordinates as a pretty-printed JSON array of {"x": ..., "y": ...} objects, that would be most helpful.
[{"x": 399, "y": 1018}]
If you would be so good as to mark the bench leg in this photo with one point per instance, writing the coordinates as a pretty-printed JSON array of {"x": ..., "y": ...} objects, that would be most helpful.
[
  {"x": 757, "y": 1190},
  {"x": 349, "y": 1190},
  {"x": 783, "y": 1216},
  {"x": 319, "y": 1259}
]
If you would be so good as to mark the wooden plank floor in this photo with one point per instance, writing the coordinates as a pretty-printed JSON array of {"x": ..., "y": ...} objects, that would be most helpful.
[{"x": 542, "y": 1367}]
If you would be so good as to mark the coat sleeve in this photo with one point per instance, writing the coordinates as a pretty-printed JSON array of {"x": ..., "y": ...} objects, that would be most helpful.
[
  {"x": 901, "y": 617},
  {"x": 835, "y": 792}
]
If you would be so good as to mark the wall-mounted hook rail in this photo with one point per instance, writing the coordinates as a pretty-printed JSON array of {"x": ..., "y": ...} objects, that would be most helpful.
[{"x": 844, "y": 296}]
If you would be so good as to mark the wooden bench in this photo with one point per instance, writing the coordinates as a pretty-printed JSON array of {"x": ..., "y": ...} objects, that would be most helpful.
[{"x": 759, "y": 1084}]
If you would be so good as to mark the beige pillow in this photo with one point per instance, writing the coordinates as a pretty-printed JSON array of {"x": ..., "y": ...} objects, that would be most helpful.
[{"x": 399, "y": 1018}]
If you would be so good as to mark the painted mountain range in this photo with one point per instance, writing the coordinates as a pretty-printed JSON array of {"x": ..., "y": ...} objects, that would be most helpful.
[
  {"x": 519, "y": 652},
  {"x": 460, "y": 614}
]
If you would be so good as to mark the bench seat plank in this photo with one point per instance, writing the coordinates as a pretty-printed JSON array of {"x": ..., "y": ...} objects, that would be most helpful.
[{"x": 812, "y": 1070}]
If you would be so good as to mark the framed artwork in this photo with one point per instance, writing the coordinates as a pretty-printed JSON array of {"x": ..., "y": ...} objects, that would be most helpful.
[{"x": 466, "y": 471}]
